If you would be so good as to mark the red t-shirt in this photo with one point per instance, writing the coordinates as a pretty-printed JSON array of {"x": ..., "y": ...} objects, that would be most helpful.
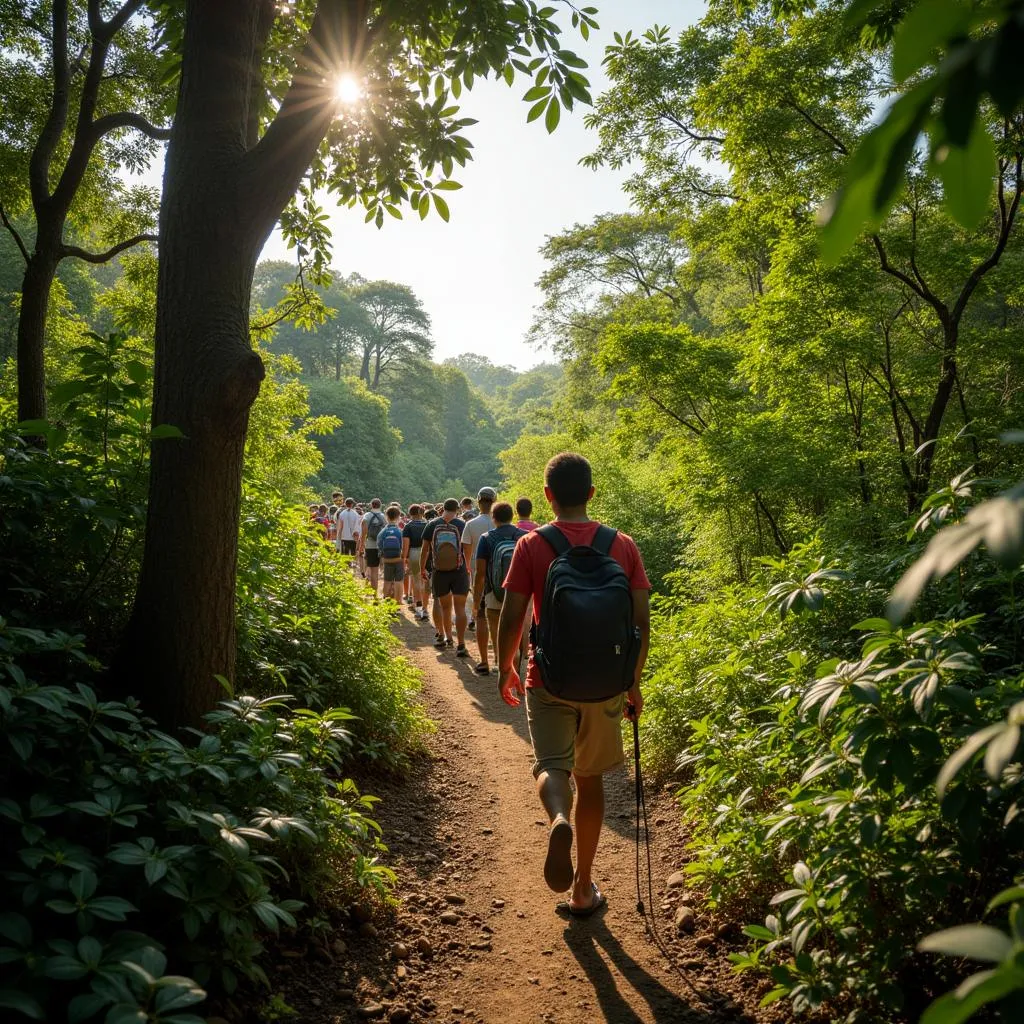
[
  {"x": 527, "y": 524},
  {"x": 533, "y": 556}
]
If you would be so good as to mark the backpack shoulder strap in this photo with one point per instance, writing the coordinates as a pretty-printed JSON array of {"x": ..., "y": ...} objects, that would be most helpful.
[
  {"x": 604, "y": 539},
  {"x": 554, "y": 536}
]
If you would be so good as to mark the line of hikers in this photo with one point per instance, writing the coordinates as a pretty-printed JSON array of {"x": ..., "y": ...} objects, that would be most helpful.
[{"x": 585, "y": 589}]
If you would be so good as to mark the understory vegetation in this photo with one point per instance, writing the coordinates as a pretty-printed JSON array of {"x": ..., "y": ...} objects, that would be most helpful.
[{"x": 142, "y": 869}]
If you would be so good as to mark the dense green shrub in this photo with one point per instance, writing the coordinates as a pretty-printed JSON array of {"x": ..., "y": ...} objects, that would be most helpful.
[
  {"x": 128, "y": 850},
  {"x": 305, "y": 626},
  {"x": 810, "y": 737}
]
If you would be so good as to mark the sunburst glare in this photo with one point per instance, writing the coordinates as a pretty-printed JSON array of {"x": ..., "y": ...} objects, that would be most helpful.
[{"x": 348, "y": 89}]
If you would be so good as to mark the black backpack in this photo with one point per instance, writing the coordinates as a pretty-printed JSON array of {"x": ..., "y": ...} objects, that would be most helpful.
[{"x": 585, "y": 645}]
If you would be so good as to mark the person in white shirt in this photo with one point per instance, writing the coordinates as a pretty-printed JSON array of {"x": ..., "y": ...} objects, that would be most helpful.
[
  {"x": 474, "y": 530},
  {"x": 348, "y": 528}
]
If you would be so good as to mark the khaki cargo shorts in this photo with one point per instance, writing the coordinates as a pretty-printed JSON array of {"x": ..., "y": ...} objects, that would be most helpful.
[{"x": 574, "y": 736}]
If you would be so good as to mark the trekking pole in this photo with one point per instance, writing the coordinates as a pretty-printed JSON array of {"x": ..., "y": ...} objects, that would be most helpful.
[{"x": 641, "y": 809}]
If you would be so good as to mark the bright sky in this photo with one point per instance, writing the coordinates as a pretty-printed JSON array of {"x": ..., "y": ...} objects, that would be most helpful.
[{"x": 476, "y": 275}]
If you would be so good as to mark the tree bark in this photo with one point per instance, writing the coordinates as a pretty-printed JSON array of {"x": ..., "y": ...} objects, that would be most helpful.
[
  {"x": 222, "y": 194},
  {"x": 35, "y": 303}
]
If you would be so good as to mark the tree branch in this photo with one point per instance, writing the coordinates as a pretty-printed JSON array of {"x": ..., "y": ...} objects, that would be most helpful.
[
  {"x": 918, "y": 288},
  {"x": 279, "y": 160},
  {"x": 103, "y": 257},
  {"x": 838, "y": 145},
  {"x": 1007, "y": 216},
  {"x": 128, "y": 119},
  {"x": 14, "y": 232},
  {"x": 46, "y": 145}
]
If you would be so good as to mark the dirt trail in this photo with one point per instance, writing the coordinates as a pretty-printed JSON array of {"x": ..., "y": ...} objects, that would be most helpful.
[{"x": 484, "y": 943}]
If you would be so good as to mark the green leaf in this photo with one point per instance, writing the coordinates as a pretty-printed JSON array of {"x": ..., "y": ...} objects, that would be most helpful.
[
  {"x": 966, "y": 752},
  {"x": 536, "y": 110},
  {"x": 926, "y": 28},
  {"x": 448, "y": 185},
  {"x": 22, "y": 1002},
  {"x": 165, "y": 430},
  {"x": 552, "y": 117},
  {"x": 974, "y": 993},
  {"x": 442, "y": 207},
  {"x": 975, "y": 941},
  {"x": 968, "y": 176},
  {"x": 536, "y": 93}
]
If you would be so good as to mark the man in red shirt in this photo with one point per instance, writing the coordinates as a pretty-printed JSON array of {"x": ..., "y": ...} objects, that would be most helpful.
[{"x": 582, "y": 739}]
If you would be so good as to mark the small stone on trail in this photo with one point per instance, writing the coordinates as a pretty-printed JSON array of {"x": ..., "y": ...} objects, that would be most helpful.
[
  {"x": 520, "y": 913},
  {"x": 400, "y": 951},
  {"x": 368, "y": 930},
  {"x": 400, "y": 1015},
  {"x": 455, "y": 898},
  {"x": 401, "y": 972},
  {"x": 338, "y": 947},
  {"x": 677, "y": 880},
  {"x": 362, "y": 912},
  {"x": 423, "y": 946},
  {"x": 487, "y": 831},
  {"x": 498, "y": 903},
  {"x": 449, "y": 917},
  {"x": 371, "y": 1011},
  {"x": 704, "y": 941},
  {"x": 660, "y": 821},
  {"x": 533, "y": 981},
  {"x": 481, "y": 945},
  {"x": 685, "y": 919},
  {"x": 723, "y": 930}
]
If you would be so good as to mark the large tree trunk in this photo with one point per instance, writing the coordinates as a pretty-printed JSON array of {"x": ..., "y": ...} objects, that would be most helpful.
[
  {"x": 222, "y": 194},
  {"x": 35, "y": 302}
]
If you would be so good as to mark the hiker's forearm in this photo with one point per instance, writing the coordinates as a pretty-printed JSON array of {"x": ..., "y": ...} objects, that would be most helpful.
[
  {"x": 645, "y": 646},
  {"x": 510, "y": 627}
]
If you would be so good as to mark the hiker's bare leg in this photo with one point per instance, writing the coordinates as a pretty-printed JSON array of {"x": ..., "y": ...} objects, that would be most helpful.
[
  {"x": 460, "y": 617},
  {"x": 483, "y": 637},
  {"x": 435, "y": 612},
  {"x": 493, "y": 615},
  {"x": 446, "y": 616},
  {"x": 589, "y": 819},
  {"x": 373, "y": 572},
  {"x": 555, "y": 793}
]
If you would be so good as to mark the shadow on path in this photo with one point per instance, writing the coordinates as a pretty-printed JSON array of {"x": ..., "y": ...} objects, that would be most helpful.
[{"x": 595, "y": 946}]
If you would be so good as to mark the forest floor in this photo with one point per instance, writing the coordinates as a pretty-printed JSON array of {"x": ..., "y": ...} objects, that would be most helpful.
[{"x": 475, "y": 936}]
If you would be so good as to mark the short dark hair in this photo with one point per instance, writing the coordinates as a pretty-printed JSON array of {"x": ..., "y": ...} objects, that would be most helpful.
[
  {"x": 430, "y": 513},
  {"x": 349, "y": 502},
  {"x": 393, "y": 513},
  {"x": 415, "y": 510},
  {"x": 502, "y": 512},
  {"x": 524, "y": 508},
  {"x": 451, "y": 505},
  {"x": 570, "y": 479},
  {"x": 323, "y": 508},
  {"x": 467, "y": 502},
  {"x": 375, "y": 503}
]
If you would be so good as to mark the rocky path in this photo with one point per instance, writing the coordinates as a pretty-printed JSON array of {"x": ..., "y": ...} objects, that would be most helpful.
[{"x": 475, "y": 937}]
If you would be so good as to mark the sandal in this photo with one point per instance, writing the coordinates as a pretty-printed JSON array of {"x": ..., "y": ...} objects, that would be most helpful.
[
  {"x": 439, "y": 644},
  {"x": 482, "y": 670},
  {"x": 461, "y": 652},
  {"x": 597, "y": 902}
]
